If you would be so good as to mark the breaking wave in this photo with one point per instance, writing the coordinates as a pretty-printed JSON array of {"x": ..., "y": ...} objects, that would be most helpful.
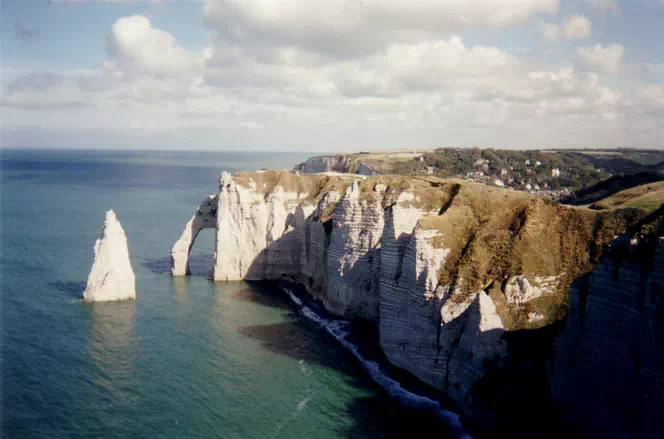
[{"x": 339, "y": 329}]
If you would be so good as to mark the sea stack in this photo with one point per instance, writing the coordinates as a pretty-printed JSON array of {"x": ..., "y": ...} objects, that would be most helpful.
[{"x": 111, "y": 277}]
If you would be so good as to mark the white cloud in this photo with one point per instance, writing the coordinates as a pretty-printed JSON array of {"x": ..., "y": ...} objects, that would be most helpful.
[
  {"x": 574, "y": 27},
  {"x": 136, "y": 45},
  {"x": 278, "y": 75},
  {"x": 550, "y": 31},
  {"x": 144, "y": 64},
  {"x": 599, "y": 59},
  {"x": 342, "y": 28},
  {"x": 606, "y": 6},
  {"x": 33, "y": 90}
]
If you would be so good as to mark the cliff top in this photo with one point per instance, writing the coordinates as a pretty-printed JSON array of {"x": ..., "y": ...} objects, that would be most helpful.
[
  {"x": 647, "y": 197},
  {"x": 492, "y": 234}
]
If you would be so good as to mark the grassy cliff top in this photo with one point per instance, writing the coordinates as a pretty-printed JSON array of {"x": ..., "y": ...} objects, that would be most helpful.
[
  {"x": 429, "y": 191},
  {"x": 492, "y": 233},
  {"x": 648, "y": 197},
  {"x": 496, "y": 234}
]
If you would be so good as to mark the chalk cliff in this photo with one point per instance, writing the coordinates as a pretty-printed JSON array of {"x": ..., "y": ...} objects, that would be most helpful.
[
  {"x": 205, "y": 217},
  {"x": 501, "y": 300},
  {"x": 334, "y": 163},
  {"x": 111, "y": 277}
]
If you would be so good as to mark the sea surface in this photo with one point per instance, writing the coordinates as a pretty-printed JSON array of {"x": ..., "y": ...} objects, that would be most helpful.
[{"x": 190, "y": 358}]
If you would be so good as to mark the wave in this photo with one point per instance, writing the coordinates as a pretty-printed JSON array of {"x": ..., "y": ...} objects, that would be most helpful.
[{"x": 339, "y": 329}]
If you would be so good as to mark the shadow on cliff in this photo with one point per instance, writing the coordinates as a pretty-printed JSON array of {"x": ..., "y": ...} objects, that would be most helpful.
[
  {"x": 377, "y": 415},
  {"x": 519, "y": 392}
]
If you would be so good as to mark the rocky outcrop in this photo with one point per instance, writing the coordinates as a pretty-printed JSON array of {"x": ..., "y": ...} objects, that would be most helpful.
[
  {"x": 260, "y": 232},
  {"x": 464, "y": 281},
  {"x": 338, "y": 163},
  {"x": 111, "y": 277},
  {"x": 205, "y": 217}
]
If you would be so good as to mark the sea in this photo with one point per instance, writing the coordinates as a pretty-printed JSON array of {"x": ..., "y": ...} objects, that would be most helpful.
[{"x": 190, "y": 358}]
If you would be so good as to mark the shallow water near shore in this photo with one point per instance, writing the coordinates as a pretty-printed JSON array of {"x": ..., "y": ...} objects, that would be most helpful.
[{"x": 190, "y": 358}]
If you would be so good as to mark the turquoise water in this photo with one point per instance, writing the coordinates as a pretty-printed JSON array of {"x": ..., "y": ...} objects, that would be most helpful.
[{"x": 190, "y": 358}]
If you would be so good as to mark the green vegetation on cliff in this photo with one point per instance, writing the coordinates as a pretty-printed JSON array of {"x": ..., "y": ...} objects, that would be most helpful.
[{"x": 531, "y": 170}]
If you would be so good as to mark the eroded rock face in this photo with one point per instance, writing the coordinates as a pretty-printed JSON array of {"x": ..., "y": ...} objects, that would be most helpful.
[
  {"x": 338, "y": 163},
  {"x": 608, "y": 362},
  {"x": 111, "y": 277},
  {"x": 205, "y": 217},
  {"x": 354, "y": 255},
  {"x": 452, "y": 273},
  {"x": 259, "y": 236}
]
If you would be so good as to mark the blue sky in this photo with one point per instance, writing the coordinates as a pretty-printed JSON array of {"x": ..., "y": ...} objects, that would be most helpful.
[{"x": 325, "y": 75}]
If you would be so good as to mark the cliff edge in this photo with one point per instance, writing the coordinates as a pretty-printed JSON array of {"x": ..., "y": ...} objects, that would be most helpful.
[{"x": 487, "y": 294}]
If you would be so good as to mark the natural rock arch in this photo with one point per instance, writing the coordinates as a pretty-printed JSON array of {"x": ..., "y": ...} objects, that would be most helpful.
[{"x": 204, "y": 218}]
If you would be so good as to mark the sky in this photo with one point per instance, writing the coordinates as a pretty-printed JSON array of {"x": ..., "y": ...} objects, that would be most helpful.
[{"x": 331, "y": 75}]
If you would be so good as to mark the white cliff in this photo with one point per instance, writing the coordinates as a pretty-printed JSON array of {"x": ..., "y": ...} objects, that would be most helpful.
[
  {"x": 338, "y": 163},
  {"x": 259, "y": 235},
  {"x": 205, "y": 217},
  {"x": 111, "y": 277},
  {"x": 456, "y": 276},
  {"x": 354, "y": 254}
]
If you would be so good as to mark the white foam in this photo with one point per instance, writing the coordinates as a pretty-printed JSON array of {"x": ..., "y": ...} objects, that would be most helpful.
[
  {"x": 303, "y": 404},
  {"x": 294, "y": 298},
  {"x": 339, "y": 330}
]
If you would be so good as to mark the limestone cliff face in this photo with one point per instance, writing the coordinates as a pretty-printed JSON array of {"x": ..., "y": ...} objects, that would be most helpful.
[
  {"x": 260, "y": 235},
  {"x": 111, "y": 277},
  {"x": 457, "y": 275},
  {"x": 338, "y": 163},
  {"x": 205, "y": 217},
  {"x": 608, "y": 362},
  {"x": 354, "y": 254}
]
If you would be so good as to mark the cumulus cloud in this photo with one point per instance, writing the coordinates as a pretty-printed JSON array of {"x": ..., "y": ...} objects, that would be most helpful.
[
  {"x": 375, "y": 72},
  {"x": 136, "y": 45},
  {"x": 145, "y": 64},
  {"x": 342, "y": 28},
  {"x": 599, "y": 59},
  {"x": 574, "y": 27}
]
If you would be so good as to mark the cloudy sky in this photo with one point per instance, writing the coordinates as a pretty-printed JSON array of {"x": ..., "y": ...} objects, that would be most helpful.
[{"x": 332, "y": 75}]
